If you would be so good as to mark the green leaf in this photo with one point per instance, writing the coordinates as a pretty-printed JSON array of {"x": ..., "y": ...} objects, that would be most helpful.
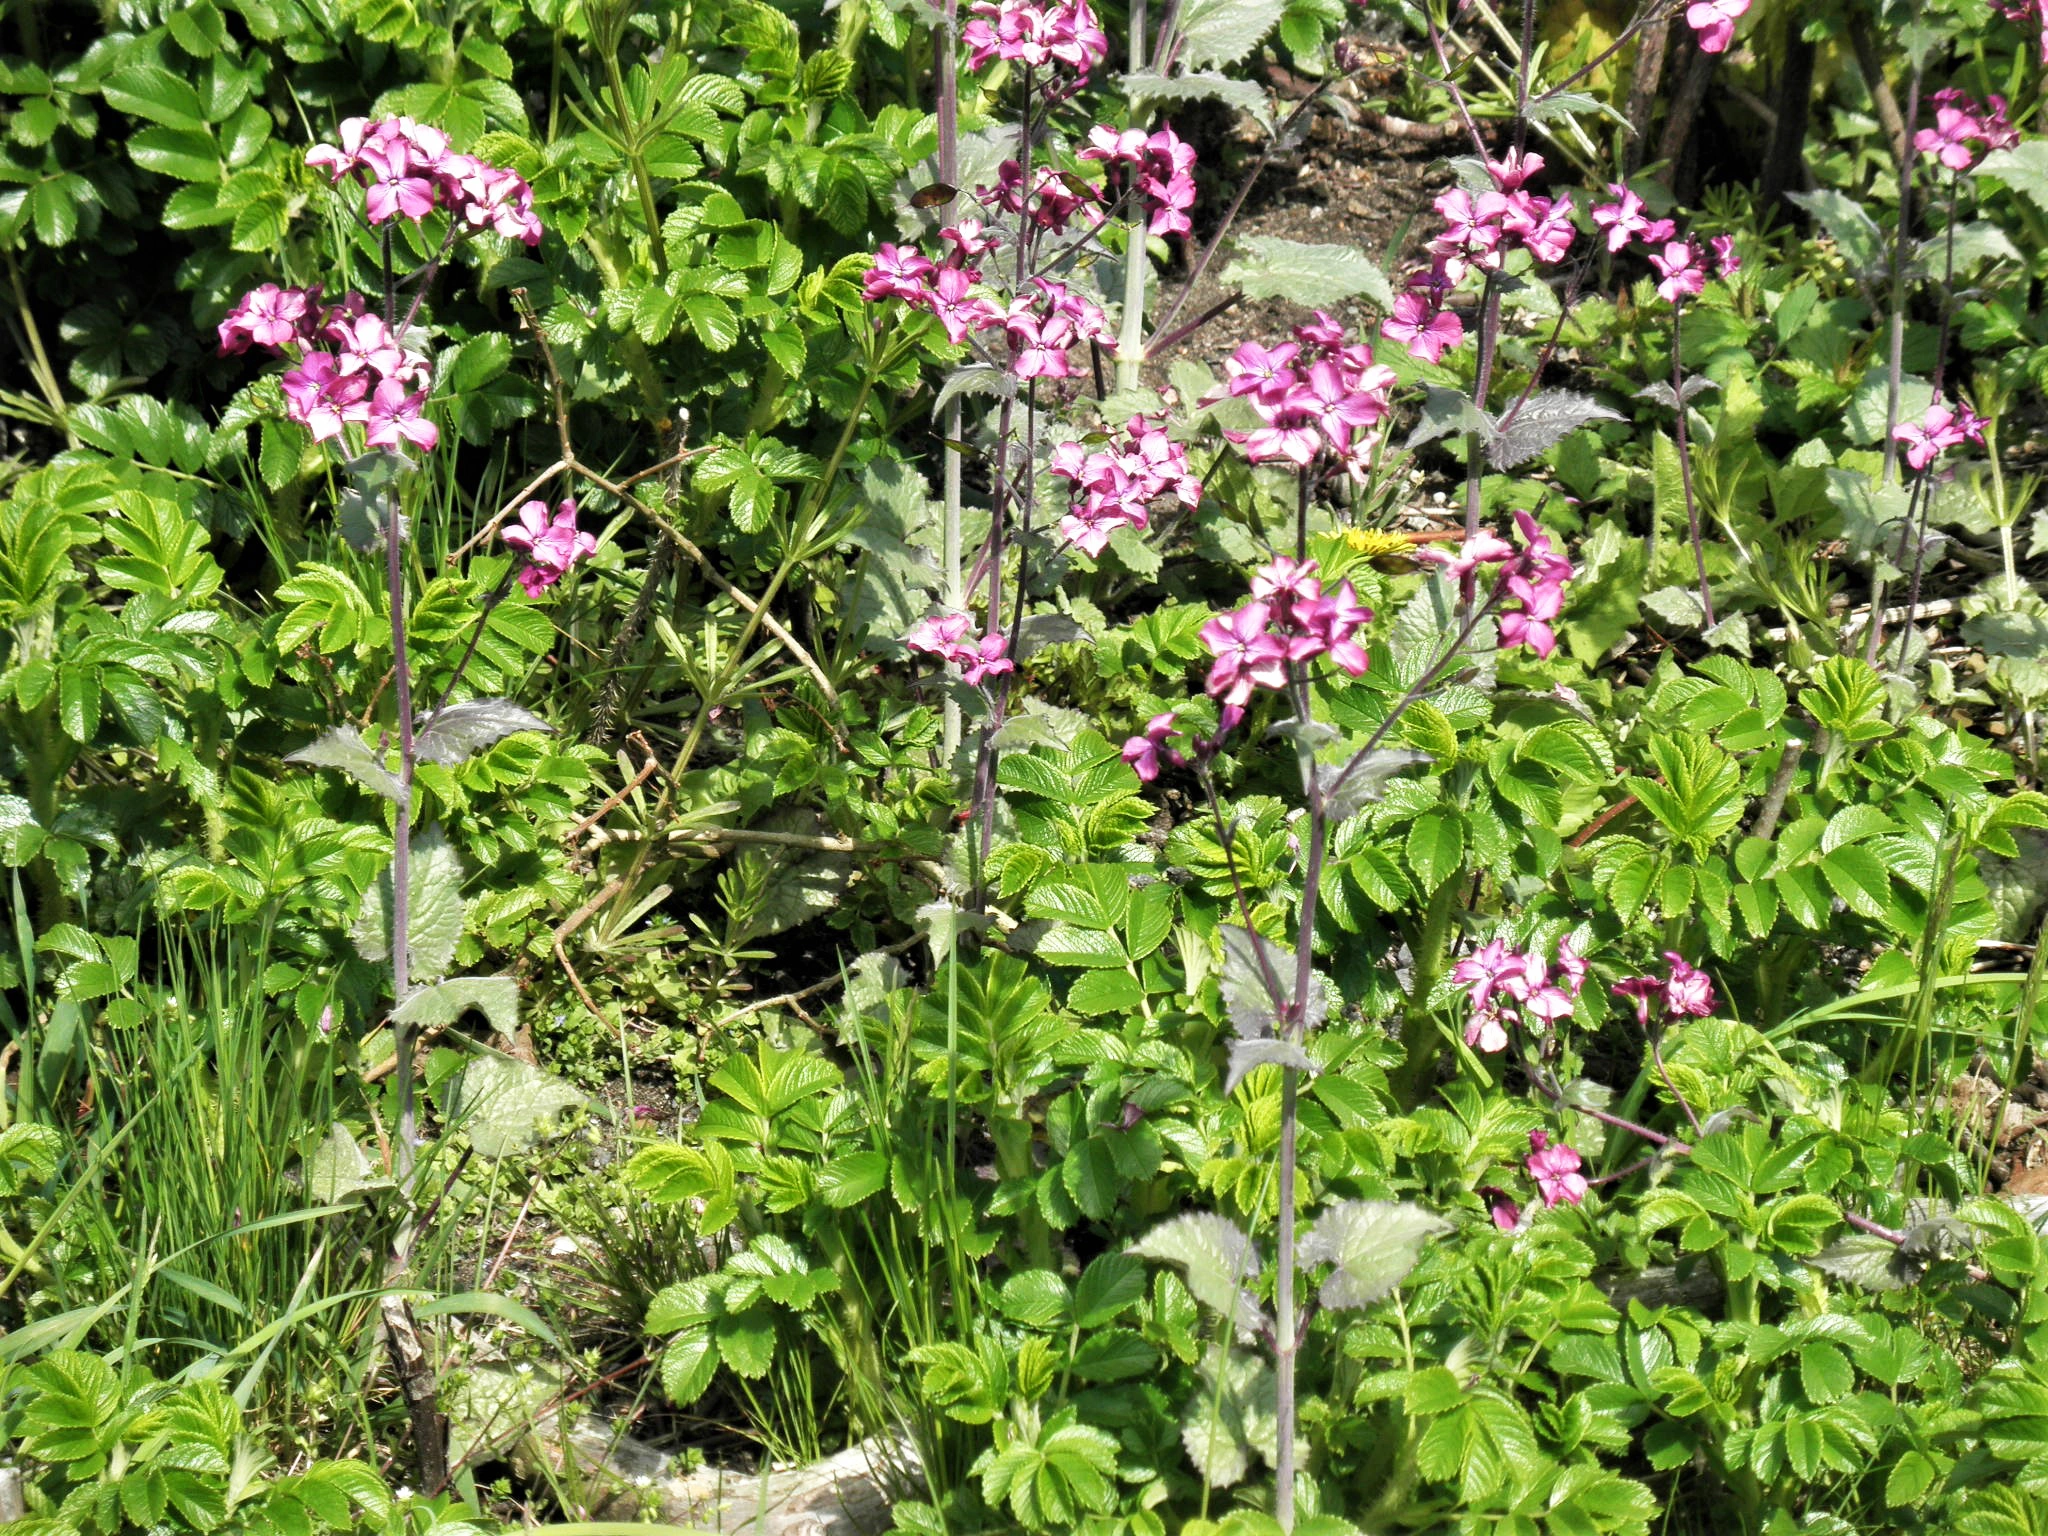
[
  {"x": 337, "y": 1169},
  {"x": 852, "y": 1177},
  {"x": 78, "y": 701},
  {"x": 1860, "y": 878},
  {"x": 1436, "y": 847},
  {"x": 1114, "y": 1354},
  {"x": 187, "y": 154},
  {"x": 153, "y": 92},
  {"x": 1911, "y": 1476},
  {"x": 1107, "y": 1287},
  {"x": 1824, "y": 1372}
]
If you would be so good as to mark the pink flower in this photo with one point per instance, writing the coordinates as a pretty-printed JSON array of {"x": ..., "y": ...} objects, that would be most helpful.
[
  {"x": 939, "y": 634},
  {"x": 970, "y": 238},
  {"x": 1556, "y": 1169},
  {"x": 1542, "y": 224},
  {"x": 1725, "y": 259},
  {"x": 1679, "y": 267},
  {"x": 1623, "y": 218},
  {"x": 1689, "y": 992},
  {"x": 1035, "y": 35},
  {"x": 899, "y": 272},
  {"x": 1325, "y": 331},
  {"x": 270, "y": 317},
  {"x": 1426, "y": 331},
  {"x": 1938, "y": 430},
  {"x": 1331, "y": 621},
  {"x": 1247, "y": 657},
  {"x": 1571, "y": 966},
  {"x": 551, "y": 545},
  {"x": 410, "y": 172},
  {"x": 1145, "y": 753},
  {"x": 958, "y": 310},
  {"x": 1714, "y": 22},
  {"x": 1640, "y": 989},
  {"x": 319, "y": 397},
  {"x": 1513, "y": 168},
  {"x": 985, "y": 660},
  {"x": 1505, "y": 1213},
  {"x": 1483, "y": 548},
  {"x": 1252, "y": 367},
  {"x": 394, "y": 417}
]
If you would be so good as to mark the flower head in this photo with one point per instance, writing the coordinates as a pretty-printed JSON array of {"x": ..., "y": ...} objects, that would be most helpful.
[
  {"x": 1555, "y": 1168},
  {"x": 1146, "y": 753},
  {"x": 1940, "y": 428},
  {"x": 552, "y": 545},
  {"x": 1713, "y": 22},
  {"x": 1679, "y": 268}
]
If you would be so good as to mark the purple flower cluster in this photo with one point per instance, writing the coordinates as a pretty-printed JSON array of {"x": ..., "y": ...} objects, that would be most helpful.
[
  {"x": 1290, "y": 618},
  {"x": 1508, "y": 987},
  {"x": 1682, "y": 267},
  {"x": 1530, "y": 584},
  {"x": 368, "y": 380},
  {"x": 1041, "y": 326},
  {"x": 1064, "y": 33},
  {"x": 410, "y": 170},
  {"x": 945, "y": 635},
  {"x": 551, "y": 545},
  {"x": 1312, "y": 394},
  {"x": 1477, "y": 235},
  {"x": 1963, "y": 128},
  {"x": 1164, "y": 165},
  {"x": 1683, "y": 992},
  {"x": 1114, "y": 486}
]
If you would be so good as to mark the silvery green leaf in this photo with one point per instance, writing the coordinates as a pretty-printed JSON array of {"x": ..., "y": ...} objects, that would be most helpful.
[
  {"x": 1364, "y": 779},
  {"x": 1444, "y": 412},
  {"x": 435, "y": 910},
  {"x": 1247, "y": 994},
  {"x": 975, "y": 379},
  {"x": 1731, "y": 634},
  {"x": 1864, "y": 421},
  {"x": 2033, "y": 1210},
  {"x": 1313, "y": 734},
  {"x": 1146, "y": 87},
  {"x": 1854, "y": 232},
  {"x": 1216, "y": 1260},
  {"x": 1663, "y": 394},
  {"x": 1555, "y": 105},
  {"x": 1871, "y": 1262},
  {"x": 1248, "y": 1055},
  {"x": 1214, "y": 32},
  {"x": 1675, "y": 607},
  {"x": 1725, "y": 1119},
  {"x": 344, "y": 748},
  {"x": 506, "y": 1106},
  {"x": 369, "y": 498},
  {"x": 1542, "y": 421},
  {"x": 1372, "y": 1243},
  {"x": 1041, "y": 630},
  {"x": 1317, "y": 276},
  {"x": 1233, "y": 1415},
  {"x": 944, "y": 926},
  {"x": 2024, "y": 169},
  {"x": 336, "y": 1169},
  {"x": 1938, "y": 1237},
  {"x": 490, "y": 1403},
  {"x": 1583, "y": 1093},
  {"x": 459, "y": 731},
  {"x": 441, "y": 1003},
  {"x": 1976, "y": 242}
]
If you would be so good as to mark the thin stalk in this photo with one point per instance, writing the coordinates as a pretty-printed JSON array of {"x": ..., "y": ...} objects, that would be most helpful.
[
  {"x": 630, "y": 141},
  {"x": 401, "y": 844},
  {"x": 1130, "y": 343},
  {"x": 947, "y": 63},
  {"x": 1287, "y": 1339},
  {"x": 1692, "y": 510},
  {"x": 1482, "y": 387}
]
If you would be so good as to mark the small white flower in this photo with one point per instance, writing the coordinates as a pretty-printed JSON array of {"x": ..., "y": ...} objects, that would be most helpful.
[{"x": 402, "y": 1493}]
